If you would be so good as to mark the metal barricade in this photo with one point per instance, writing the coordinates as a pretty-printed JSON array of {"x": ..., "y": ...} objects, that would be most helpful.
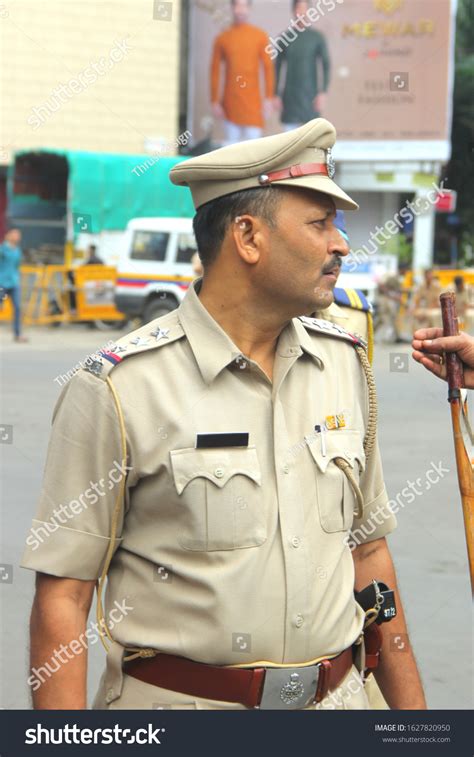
[{"x": 61, "y": 294}]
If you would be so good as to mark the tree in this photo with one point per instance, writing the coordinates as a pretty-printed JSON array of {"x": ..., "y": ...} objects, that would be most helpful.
[{"x": 461, "y": 165}]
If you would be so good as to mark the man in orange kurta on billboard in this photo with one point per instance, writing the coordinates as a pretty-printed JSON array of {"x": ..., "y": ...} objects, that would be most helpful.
[{"x": 241, "y": 50}]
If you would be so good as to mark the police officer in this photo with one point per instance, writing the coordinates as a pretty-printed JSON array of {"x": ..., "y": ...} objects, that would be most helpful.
[
  {"x": 463, "y": 300},
  {"x": 389, "y": 301},
  {"x": 425, "y": 305},
  {"x": 219, "y": 466}
]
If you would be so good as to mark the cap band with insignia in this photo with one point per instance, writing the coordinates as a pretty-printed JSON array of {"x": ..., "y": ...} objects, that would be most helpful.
[{"x": 298, "y": 158}]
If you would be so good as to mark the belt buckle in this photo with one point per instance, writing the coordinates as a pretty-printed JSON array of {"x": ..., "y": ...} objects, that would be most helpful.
[{"x": 289, "y": 688}]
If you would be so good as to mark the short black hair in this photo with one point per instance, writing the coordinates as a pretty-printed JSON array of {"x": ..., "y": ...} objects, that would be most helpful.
[{"x": 213, "y": 218}]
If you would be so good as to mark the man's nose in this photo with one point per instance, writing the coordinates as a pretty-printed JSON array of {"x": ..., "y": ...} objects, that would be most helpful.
[{"x": 338, "y": 245}]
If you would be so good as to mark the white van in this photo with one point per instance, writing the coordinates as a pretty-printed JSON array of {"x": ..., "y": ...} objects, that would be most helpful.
[{"x": 154, "y": 268}]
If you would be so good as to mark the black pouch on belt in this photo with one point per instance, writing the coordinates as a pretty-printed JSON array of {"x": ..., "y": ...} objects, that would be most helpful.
[{"x": 367, "y": 599}]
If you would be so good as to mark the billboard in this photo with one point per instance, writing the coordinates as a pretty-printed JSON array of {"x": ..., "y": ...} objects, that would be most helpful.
[{"x": 387, "y": 69}]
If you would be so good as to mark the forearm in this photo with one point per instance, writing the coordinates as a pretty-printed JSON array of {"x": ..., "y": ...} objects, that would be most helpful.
[
  {"x": 397, "y": 673},
  {"x": 58, "y": 675}
]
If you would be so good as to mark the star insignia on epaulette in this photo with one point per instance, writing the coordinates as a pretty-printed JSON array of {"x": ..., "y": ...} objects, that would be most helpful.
[
  {"x": 160, "y": 333},
  {"x": 139, "y": 341},
  {"x": 117, "y": 348},
  {"x": 329, "y": 327}
]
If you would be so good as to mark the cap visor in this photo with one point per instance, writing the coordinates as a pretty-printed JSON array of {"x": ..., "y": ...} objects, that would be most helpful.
[{"x": 322, "y": 184}]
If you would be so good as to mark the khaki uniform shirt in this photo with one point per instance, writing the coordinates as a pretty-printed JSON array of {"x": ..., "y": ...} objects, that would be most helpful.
[
  {"x": 428, "y": 296},
  {"x": 226, "y": 555}
]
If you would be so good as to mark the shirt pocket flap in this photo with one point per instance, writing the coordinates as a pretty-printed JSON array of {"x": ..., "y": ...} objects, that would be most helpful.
[
  {"x": 217, "y": 465},
  {"x": 344, "y": 443}
]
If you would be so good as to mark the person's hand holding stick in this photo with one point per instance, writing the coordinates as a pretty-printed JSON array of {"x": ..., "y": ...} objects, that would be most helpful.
[
  {"x": 429, "y": 346},
  {"x": 450, "y": 356}
]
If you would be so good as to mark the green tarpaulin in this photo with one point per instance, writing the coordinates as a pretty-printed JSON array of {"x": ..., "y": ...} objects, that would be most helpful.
[{"x": 111, "y": 189}]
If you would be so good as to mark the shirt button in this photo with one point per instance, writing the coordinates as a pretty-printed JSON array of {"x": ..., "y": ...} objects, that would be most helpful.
[
  {"x": 110, "y": 696},
  {"x": 296, "y": 541},
  {"x": 219, "y": 472},
  {"x": 286, "y": 469},
  {"x": 299, "y": 620}
]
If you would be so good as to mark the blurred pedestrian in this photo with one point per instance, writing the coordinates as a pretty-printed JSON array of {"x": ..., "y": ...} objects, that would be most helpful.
[
  {"x": 92, "y": 257},
  {"x": 304, "y": 58},
  {"x": 389, "y": 299},
  {"x": 241, "y": 48},
  {"x": 461, "y": 290},
  {"x": 10, "y": 259},
  {"x": 425, "y": 306}
]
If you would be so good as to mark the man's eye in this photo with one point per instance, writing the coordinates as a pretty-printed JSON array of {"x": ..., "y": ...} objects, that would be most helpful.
[{"x": 320, "y": 223}]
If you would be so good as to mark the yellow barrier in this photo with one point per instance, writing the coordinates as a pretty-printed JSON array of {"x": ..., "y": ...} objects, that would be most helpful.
[
  {"x": 59, "y": 294},
  {"x": 445, "y": 276}
]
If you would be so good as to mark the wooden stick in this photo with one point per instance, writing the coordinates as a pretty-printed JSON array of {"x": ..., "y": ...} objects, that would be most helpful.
[{"x": 455, "y": 376}]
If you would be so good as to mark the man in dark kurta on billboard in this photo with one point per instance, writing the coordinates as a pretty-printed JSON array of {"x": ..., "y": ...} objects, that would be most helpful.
[{"x": 302, "y": 52}]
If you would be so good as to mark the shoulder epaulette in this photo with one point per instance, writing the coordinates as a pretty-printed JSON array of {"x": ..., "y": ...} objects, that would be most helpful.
[
  {"x": 157, "y": 333},
  {"x": 331, "y": 329},
  {"x": 352, "y": 298}
]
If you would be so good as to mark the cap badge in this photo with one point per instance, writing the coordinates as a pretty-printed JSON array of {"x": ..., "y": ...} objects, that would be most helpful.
[{"x": 331, "y": 165}]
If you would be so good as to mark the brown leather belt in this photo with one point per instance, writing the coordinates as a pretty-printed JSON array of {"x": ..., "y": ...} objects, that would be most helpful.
[{"x": 265, "y": 688}]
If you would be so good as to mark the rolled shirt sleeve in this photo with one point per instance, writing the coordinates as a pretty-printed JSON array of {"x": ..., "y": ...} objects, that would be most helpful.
[{"x": 70, "y": 533}]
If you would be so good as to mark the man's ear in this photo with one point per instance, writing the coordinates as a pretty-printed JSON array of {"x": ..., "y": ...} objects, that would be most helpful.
[{"x": 248, "y": 235}]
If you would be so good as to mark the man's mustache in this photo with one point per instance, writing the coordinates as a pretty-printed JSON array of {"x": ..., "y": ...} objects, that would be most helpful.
[{"x": 334, "y": 267}]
